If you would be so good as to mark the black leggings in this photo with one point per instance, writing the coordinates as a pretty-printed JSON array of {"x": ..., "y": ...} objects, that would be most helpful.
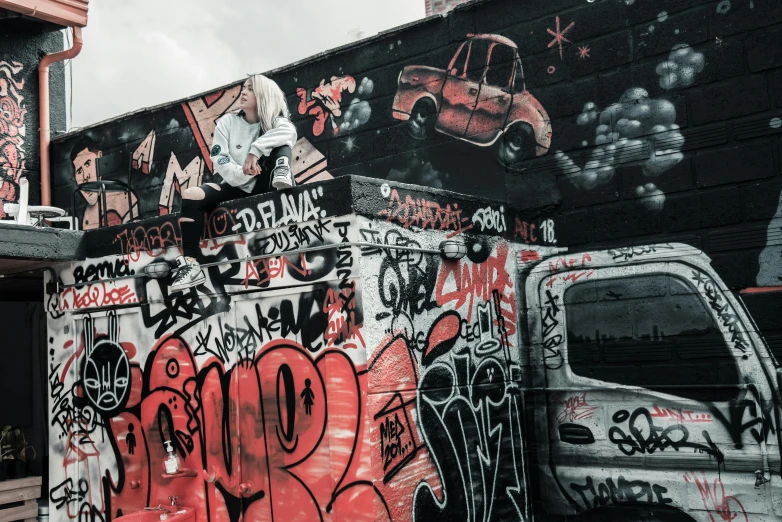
[{"x": 196, "y": 209}]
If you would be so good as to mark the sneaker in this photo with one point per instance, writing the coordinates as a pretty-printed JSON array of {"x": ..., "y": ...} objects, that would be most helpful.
[
  {"x": 188, "y": 274},
  {"x": 282, "y": 177}
]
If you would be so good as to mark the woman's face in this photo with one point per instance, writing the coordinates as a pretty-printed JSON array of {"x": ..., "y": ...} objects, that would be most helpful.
[{"x": 247, "y": 101}]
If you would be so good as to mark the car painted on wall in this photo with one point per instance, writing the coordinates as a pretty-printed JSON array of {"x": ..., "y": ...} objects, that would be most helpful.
[{"x": 480, "y": 98}]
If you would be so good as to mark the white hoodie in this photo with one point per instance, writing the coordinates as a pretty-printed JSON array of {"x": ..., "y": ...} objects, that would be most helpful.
[{"x": 234, "y": 138}]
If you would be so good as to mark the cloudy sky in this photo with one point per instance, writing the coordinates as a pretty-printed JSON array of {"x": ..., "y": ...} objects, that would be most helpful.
[{"x": 146, "y": 52}]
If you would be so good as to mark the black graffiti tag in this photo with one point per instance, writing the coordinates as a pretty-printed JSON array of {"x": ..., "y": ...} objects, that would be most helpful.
[
  {"x": 552, "y": 354},
  {"x": 724, "y": 310},
  {"x": 645, "y": 437},
  {"x": 622, "y": 492},
  {"x": 627, "y": 253}
]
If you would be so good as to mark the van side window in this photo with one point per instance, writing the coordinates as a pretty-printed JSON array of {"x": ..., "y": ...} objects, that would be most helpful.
[{"x": 651, "y": 331}]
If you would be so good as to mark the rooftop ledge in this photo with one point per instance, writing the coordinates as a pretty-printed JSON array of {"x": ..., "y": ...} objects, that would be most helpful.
[
  {"x": 24, "y": 247},
  {"x": 410, "y": 206},
  {"x": 67, "y": 13}
]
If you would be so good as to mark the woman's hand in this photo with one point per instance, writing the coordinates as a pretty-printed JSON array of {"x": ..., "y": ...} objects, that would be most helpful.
[{"x": 251, "y": 166}]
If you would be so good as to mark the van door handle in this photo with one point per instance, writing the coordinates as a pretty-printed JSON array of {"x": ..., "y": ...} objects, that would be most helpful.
[
  {"x": 473, "y": 90},
  {"x": 575, "y": 434}
]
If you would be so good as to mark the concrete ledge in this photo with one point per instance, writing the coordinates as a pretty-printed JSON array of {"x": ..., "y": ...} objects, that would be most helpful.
[
  {"x": 25, "y": 247},
  {"x": 411, "y": 206}
]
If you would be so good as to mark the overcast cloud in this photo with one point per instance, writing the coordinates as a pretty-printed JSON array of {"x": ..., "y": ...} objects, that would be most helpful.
[{"x": 141, "y": 53}]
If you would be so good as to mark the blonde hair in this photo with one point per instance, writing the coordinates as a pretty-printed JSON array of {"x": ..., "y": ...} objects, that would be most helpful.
[{"x": 270, "y": 101}]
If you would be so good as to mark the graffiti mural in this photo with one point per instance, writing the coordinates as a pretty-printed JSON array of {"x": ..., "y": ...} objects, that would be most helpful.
[
  {"x": 335, "y": 365},
  {"x": 198, "y": 368},
  {"x": 12, "y": 132},
  {"x": 119, "y": 206},
  {"x": 324, "y": 102},
  {"x": 635, "y": 130},
  {"x": 480, "y": 97},
  {"x": 603, "y": 345}
]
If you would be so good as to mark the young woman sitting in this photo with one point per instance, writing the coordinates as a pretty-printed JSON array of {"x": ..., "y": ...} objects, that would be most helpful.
[{"x": 261, "y": 128}]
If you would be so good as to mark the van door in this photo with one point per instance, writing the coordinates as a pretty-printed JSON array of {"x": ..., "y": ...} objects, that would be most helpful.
[{"x": 653, "y": 392}]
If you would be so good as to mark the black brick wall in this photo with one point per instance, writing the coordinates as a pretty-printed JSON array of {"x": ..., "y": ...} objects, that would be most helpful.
[{"x": 715, "y": 179}]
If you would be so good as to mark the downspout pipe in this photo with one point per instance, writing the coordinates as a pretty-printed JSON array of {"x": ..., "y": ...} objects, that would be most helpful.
[{"x": 43, "y": 108}]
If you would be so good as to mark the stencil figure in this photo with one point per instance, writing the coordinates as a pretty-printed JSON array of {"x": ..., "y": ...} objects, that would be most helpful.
[
  {"x": 308, "y": 395},
  {"x": 130, "y": 438}
]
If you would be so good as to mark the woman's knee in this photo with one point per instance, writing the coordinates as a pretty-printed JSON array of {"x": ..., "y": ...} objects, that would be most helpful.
[{"x": 193, "y": 194}]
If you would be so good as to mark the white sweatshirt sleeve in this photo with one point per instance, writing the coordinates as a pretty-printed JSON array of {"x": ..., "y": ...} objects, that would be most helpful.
[
  {"x": 222, "y": 163},
  {"x": 283, "y": 133}
]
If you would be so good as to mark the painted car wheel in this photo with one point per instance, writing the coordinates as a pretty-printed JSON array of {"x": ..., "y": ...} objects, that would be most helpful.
[
  {"x": 517, "y": 144},
  {"x": 422, "y": 118}
]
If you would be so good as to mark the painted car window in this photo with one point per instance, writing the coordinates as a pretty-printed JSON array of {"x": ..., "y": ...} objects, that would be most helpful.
[
  {"x": 500, "y": 69},
  {"x": 651, "y": 331},
  {"x": 460, "y": 61},
  {"x": 479, "y": 57}
]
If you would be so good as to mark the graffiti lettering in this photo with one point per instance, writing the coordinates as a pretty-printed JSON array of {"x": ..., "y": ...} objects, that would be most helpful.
[
  {"x": 467, "y": 283},
  {"x": 575, "y": 408},
  {"x": 715, "y": 501},
  {"x": 679, "y": 415},
  {"x": 425, "y": 214},
  {"x": 490, "y": 219},
  {"x": 454, "y": 426},
  {"x": 631, "y": 252},
  {"x": 262, "y": 271},
  {"x": 622, "y": 492},
  {"x": 97, "y": 295},
  {"x": 291, "y": 210},
  {"x": 725, "y": 312},
  {"x": 525, "y": 231},
  {"x": 104, "y": 270},
  {"x": 568, "y": 263},
  {"x": 645, "y": 437},
  {"x": 552, "y": 355},
  {"x": 295, "y": 236},
  {"x": 152, "y": 240}
]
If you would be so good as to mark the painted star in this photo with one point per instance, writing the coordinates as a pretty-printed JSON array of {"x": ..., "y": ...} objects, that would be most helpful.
[
  {"x": 350, "y": 144},
  {"x": 559, "y": 36},
  {"x": 583, "y": 52}
]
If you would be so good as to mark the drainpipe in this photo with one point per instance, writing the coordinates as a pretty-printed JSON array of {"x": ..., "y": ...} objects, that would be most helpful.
[{"x": 43, "y": 109}]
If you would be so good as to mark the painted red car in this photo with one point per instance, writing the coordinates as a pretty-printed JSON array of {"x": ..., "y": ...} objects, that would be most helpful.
[{"x": 476, "y": 99}]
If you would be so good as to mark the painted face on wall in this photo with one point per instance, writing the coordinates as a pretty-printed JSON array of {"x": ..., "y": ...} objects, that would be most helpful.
[
  {"x": 85, "y": 170},
  {"x": 247, "y": 101}
]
